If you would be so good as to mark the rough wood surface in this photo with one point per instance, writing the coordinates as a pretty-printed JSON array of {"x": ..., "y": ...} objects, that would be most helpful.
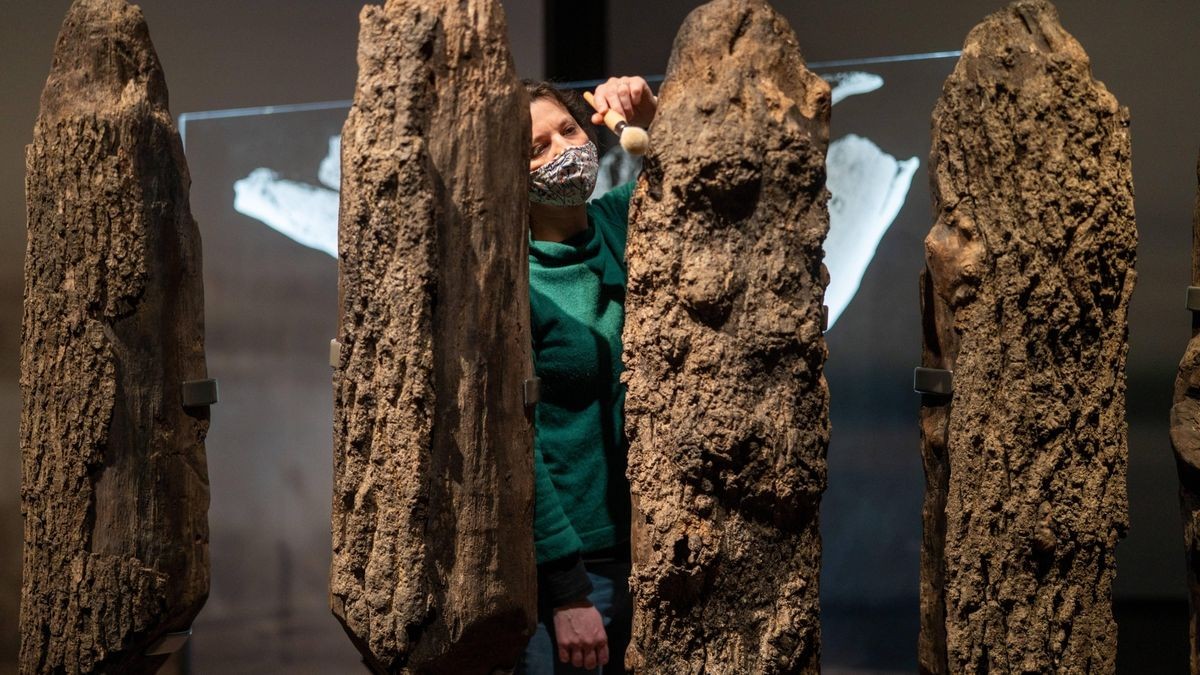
[
  {"x": 114, "y": 486},
  {"x": 1030, "y": 265},
  {"x": 727, "y": 407},
  {"x": 433, "y": 567},
  {"x": 1185, "y": 440}
]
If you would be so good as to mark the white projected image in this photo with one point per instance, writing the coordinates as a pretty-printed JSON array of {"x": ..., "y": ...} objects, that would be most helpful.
[
  {"x": 305, "y": 213},
  {"x": 867, "y": 188}
]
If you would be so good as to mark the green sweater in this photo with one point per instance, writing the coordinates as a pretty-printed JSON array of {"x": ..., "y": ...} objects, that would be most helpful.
[{"x": 577, "y": 297}]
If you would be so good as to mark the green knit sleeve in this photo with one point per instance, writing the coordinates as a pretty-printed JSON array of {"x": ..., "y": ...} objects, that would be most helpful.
[{"x": 553, "y": 535}]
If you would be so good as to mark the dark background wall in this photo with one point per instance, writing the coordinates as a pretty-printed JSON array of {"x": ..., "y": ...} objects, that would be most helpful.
[{"x": 226, "y": 53}]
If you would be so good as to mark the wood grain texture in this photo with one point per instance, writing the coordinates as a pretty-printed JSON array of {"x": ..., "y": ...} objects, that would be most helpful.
[
  {"x": 433, "y": 567},
  {"x": 1185, "y": 440},
  {"x": 1029, "y": 273},
  {"x": 727, "y": 406},
  {"x": 114, "y": 484}
]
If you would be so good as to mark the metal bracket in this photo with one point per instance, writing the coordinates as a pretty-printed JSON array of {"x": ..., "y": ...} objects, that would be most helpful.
[
  {"x": 532, "y": 391},
  {"x": 169, "y": 643},
  {"x": 335, "y": 353},
  {"x": 933, "y": 381},
  {"x": 824, "y": 318},
  {"x": 198, "y": 393},
  {"x": 1193, "y": 298}
]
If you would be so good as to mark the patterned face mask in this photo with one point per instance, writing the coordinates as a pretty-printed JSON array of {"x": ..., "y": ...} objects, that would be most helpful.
[{"x": 567, "y": 180}]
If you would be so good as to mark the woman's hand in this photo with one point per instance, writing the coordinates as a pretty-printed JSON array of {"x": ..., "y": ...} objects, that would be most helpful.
[
  {"x": 630, "y": 96},
  {"x": 579, "y": 631}
]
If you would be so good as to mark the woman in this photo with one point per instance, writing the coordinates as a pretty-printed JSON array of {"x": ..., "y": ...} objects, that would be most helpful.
[{"x": 577, "y": 294}]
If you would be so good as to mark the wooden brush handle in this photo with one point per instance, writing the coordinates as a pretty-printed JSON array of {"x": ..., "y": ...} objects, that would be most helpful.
[{"x": 614, "y": 120}]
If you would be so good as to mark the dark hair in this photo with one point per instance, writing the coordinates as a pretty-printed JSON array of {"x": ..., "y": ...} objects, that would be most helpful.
[{"x": 567, "y": 98}]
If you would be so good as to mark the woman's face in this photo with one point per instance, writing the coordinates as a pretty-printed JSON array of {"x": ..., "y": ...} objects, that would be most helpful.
[{"x": 554, "y": 130}]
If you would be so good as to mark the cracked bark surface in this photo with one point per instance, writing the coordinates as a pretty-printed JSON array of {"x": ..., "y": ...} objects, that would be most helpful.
[
  {"x": 1185, "y": 441},
  {"x": 433, "y": 567},
  {"x": 114, "y": 481},
  {"x": 727, "y": 407},
  {"x": 1028, "y": 279}
]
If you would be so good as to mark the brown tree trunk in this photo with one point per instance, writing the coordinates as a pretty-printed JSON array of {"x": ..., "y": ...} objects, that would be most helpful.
[
  {"x": 1030, "y": 268},
  {"x": 115, "y": 487},
  {"x": 1185, "y": 439},
  {"x": 433, "y": 567},
  {"x": 727, "y": 407}
]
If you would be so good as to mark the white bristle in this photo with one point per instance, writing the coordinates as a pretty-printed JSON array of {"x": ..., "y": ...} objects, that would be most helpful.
[{"x": 635, "y": 140}]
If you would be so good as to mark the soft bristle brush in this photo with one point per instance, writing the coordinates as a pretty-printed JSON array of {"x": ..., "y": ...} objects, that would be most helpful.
[{"x": 635, "y": 140}]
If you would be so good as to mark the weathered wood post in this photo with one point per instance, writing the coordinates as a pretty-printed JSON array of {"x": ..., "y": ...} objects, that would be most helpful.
[
  {"x": 1025, "y": 294},
  {"x": 1185, "y": 440},
  {"x": 727, "y": 407},
  {"x": 433, "y": 567},
  {"x": 114, "y": 482}
]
